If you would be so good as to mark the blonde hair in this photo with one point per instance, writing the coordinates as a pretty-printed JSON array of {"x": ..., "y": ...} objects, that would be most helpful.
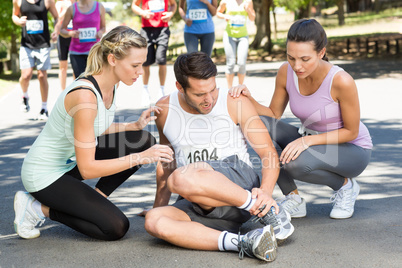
[{"x": 117, "y": 42}]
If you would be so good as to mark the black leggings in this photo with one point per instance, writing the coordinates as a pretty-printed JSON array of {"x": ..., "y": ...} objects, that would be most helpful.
[
  {"x": 79, "y": 206},
  {"x": 78, "y": 63},
  {"x": 326, "y": 164}
]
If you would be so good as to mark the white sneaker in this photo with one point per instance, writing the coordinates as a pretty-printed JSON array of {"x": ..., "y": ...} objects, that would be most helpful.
[
  {"x": 260, "y": 243},
  {"x": 295, "y": 208},
  {"x": 25, "y": 217},
  {"x": 344, "y": 201}
]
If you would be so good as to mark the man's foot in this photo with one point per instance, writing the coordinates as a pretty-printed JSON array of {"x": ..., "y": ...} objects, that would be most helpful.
[
  {"x": 260, "y": 243},
  {"x": 344, "y": 201},
  {"x": 25, "y": 104},
  {"x": 25, "y": 217},
  {"x": 294, "y": 204},
  {"x": 43, "y": 115},
  {"x": 280, "y": 222}
]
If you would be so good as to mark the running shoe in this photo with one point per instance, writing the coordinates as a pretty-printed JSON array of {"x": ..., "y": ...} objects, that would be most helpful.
[
  {"x": 280, "y": 222},
  {"x": 43, "y": 114},
  {"x": 344, "y": 201},
  {"x": 25, "y": 104},
  {"x": 292, "y": 205},
  {"x": 259, "y": 243},
  {"x": 26, "y": 218}
]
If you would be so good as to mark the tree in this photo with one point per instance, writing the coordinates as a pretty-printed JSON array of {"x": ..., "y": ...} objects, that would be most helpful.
[
  {"x": 341, "y": 12},
  {"x": 9, "y": 32},
  {"x": 263, "y": 23}
]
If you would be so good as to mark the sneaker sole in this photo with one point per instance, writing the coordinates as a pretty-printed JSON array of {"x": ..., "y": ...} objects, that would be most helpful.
[
  {"x": 266, "y": 249},
  {"x": 17, "y": 217}
]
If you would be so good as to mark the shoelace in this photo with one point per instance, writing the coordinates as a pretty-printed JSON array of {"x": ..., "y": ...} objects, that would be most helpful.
[
  {"x": 245, "y": 246},
  {"x": 338, "y": 200},
  {"x": 269, "y": 218}
]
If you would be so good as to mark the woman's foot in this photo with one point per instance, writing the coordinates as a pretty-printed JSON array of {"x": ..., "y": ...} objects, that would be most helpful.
[
  {"x": 344, "y": 201},
  {"x": 26, "y": 218},
  {"x": 294, "y": 204}
]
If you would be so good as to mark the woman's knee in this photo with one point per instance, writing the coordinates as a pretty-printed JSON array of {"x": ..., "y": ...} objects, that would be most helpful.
[
  {"x": 298, "y": 167},
  {"x": 116, "y": 227},
  {"x": 139, "y": 140}
]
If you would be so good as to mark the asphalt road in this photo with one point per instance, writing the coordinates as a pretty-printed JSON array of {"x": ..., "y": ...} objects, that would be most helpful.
[{"x": 371, "y": 238}]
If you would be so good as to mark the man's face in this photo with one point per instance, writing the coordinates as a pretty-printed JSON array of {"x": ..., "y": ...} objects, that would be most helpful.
[{"x": 201, "y": 95}]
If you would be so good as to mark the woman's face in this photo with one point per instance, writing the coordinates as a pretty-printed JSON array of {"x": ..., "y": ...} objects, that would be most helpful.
[
  {"x": 303, "y": 58},
  {"x": 129, "y": 68}
]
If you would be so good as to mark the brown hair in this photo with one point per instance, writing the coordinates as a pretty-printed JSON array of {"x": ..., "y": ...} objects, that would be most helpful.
[
  {"x": 196, "y": 65},
  {"x": 308, "y": 30}
]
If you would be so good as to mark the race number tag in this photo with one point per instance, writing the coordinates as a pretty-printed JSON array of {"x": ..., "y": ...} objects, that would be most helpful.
[
  {"x": 156, "y": 6},
  {"x": 87, "y": 34},
  {"x": 238, "y": 20},
  {"x": 197, "y": 15},
  {"x": 34, "y": 26},
  {"x": 196, "y": 155}
]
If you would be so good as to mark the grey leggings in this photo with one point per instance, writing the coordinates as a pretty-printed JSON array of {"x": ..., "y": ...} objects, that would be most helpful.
[
  {"x": 319, "y": 164},
  {"x": 232, "y": 47}
]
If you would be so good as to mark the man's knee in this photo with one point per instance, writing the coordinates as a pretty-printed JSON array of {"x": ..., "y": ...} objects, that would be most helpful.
[
  {"x": 183, "y": 181},
  {"x": 42, "y": 75},
  {"x": 26, "y": 76},
  {"x": 153, "y": 223}
]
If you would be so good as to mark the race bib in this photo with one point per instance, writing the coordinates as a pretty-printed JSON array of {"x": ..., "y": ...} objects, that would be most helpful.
[
  {"x": 34, "y": 26},
  {"x": 156, "y": 5},
  {"x": 87, "y": 34},
  {"x": 193, "y": 155},
  {"x": 238, "y": 21},
  {"x": 197, "y": 15}
]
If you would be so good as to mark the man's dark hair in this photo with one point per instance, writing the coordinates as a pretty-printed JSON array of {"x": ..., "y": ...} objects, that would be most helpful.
[{"x": 195, "y": 65}]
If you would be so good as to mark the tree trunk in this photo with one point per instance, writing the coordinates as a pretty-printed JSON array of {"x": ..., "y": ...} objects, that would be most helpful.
[
  {"x": 14, "y": 54},
  {"x": 341, "y": 12},
  {"x": 262, "y": 21}
]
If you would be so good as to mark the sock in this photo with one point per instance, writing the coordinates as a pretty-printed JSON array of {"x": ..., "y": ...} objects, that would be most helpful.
[
  {"x": 228, "y": 241},
  {"x": 146, "y": 88},
  {"x": 295, "y": 197},
  {"x": 44, "y": 105},
  {"x": 348, "y": 185},
  {"x": 163, "y": 90},
  {"x": 25, "y": 94},
  {"x": 37, "y": 207},
  {"x": 249, "y": 202}
]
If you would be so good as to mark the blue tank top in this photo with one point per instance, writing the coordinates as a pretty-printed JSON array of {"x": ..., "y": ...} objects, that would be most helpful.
[{"x": 202, "y": 18}]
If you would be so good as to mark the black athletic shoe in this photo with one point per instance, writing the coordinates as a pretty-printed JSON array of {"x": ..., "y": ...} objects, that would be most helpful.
[
  {"x": 25, "y": 104},
  {"x": 43, "y": 115}
]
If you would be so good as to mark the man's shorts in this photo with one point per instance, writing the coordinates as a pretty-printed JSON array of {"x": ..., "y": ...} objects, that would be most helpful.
[
  {"x": 158, "y": 41},
  {"x": 224, "y": 218},
  {"x": 30, "y": 58}
]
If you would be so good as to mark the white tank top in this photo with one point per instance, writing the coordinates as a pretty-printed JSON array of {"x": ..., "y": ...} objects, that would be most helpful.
[{"x": 202, "y": 137}]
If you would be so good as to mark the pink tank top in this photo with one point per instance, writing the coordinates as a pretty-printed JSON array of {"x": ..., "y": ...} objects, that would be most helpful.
[
  {"x": 318, "y": 111},
  {"x": 88, "y": 24}
]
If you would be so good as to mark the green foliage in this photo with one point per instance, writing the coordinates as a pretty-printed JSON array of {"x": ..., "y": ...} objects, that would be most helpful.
[{"x": 7, "y": 27}]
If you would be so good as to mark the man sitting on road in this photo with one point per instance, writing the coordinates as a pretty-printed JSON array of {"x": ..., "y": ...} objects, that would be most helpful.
[{"x": 218, "y": 189}]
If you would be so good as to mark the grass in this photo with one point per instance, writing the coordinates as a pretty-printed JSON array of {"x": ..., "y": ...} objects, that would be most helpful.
[{"x": 8, "y": 82}]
